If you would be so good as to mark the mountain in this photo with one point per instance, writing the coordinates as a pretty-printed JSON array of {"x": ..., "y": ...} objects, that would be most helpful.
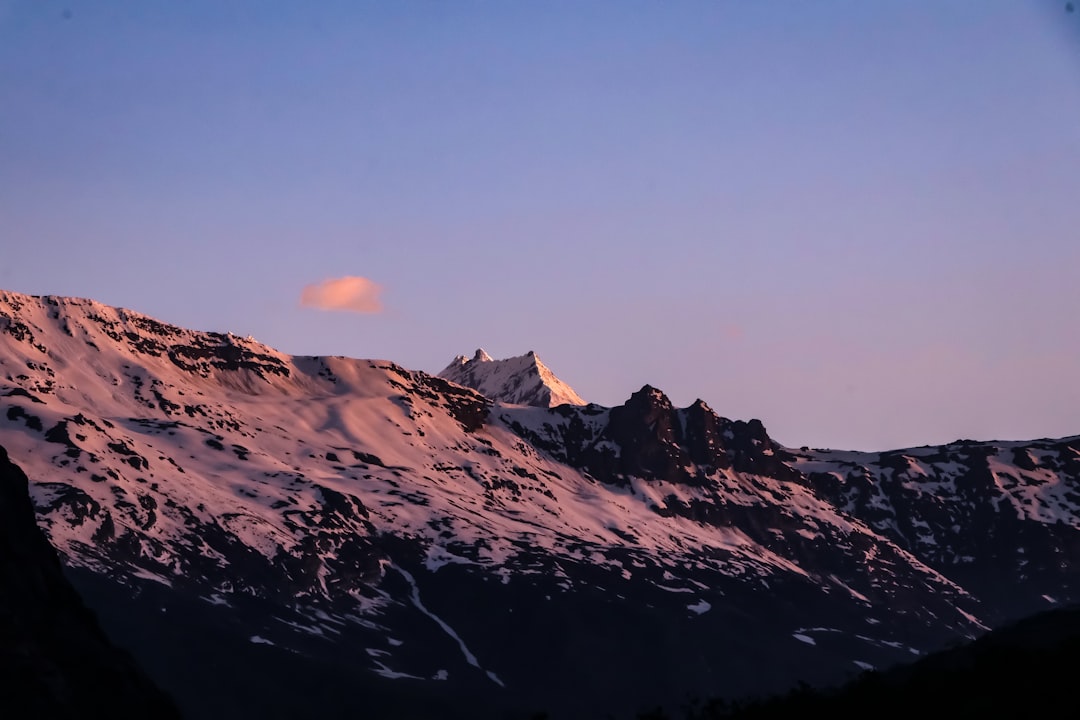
[
  {"x": 295, "y": 535},
  {"x": 1026, "y": 669},
  {"x": 522, "y": 380},
  {"x": 55, "y": 661}
]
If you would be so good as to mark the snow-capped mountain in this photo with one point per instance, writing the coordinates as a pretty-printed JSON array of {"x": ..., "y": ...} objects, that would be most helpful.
[
  {"x": 522, "y": 380},
  {"x": 397, "y": 544}
]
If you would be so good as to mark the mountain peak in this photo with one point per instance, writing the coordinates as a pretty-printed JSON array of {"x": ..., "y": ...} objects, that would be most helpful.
[{"x": 521, "y": 380}]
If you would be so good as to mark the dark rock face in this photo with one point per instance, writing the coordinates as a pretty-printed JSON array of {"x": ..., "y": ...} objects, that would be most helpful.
[
  {"x": 648, "y": 431},
  {"x": 224, "y": 355},
  {"x": 704, "y": 436},
  {"x": 55, "y": 661},
  {"x": 647, "y": 437},
  {"x": 471, "y": 409}
]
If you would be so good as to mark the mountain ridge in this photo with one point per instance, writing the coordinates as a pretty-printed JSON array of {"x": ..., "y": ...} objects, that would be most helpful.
[{"x": 327, "y": 503}]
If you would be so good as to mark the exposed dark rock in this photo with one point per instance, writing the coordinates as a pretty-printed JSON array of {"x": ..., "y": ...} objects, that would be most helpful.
[
  {"x": 649, "y": 434},
  {"x": 224, "y": 355},
  {"x": 32, "y": 421},
  {"x": 647, "y": 437},
  {"x": 469, "y": 408}
]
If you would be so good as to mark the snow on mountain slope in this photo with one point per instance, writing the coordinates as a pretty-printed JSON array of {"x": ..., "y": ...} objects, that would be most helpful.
[
  {"x": 337, "y": 493},
  {"x": 157, "y": 441},
  {"x": 522, "y": 380},
  {"x": 976, "y": 511},
  {"x": 155, "y": 436}
]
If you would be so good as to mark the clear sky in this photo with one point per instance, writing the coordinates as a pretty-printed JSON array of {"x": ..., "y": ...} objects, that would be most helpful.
[{"x": 857, "y": 221}]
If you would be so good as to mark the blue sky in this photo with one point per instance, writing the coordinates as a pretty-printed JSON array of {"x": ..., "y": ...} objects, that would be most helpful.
[{"x": 859, "y": 222}]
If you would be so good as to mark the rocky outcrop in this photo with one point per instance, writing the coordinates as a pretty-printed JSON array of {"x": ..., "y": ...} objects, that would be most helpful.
[{"x": 647, "y": 437}]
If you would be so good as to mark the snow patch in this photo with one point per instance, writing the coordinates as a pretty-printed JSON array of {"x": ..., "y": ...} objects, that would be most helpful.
[
  {"x": 700, "y": 607},
  {"x": 386, "y": 672},
  {"x": 469, "y": 657}
]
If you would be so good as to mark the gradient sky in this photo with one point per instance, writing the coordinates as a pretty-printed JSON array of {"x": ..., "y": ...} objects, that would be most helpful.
[{"x": 857, "y": 221}]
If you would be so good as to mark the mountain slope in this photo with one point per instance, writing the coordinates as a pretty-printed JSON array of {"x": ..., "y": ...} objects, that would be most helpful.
[
  {"x": 360, "y": 527},
  {"x": 523, "y": 380}
]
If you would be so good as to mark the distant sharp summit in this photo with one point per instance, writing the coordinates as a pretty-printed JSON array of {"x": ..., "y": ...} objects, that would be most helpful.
[{"x": 521, "y": 380}]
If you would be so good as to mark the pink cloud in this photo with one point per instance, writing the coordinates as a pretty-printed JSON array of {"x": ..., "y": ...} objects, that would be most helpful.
[{"x": 351, "y": 294}]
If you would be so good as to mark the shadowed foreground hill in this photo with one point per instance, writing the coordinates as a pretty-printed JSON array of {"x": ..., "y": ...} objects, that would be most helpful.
[
  {"x": 1024, "y": 670},
  {"x": 55, "y": 661}
]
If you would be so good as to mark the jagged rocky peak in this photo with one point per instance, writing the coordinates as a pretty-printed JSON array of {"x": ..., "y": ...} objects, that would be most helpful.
[
  {"x": 479, "y": 356},
  {"x": 521, "y": 380},
  {"x": 683, "y": 445},
  {"x": 651, "y": 397}
]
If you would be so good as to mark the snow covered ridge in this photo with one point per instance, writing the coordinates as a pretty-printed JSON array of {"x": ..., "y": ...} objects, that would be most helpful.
[
  {"x": 522, "y": 380},
  {"x": 338, "y": 491}
]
